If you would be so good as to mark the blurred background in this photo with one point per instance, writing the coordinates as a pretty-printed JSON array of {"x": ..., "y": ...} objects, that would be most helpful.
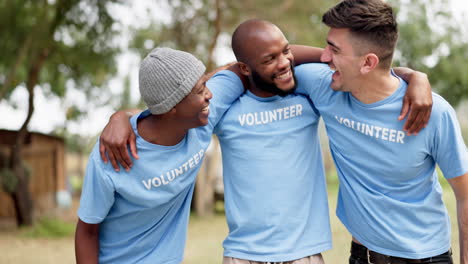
[{"x": 67, "y": 65}]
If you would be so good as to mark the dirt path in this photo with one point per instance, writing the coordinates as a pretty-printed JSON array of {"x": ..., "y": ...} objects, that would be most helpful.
[{"x": 19, "y": 250}]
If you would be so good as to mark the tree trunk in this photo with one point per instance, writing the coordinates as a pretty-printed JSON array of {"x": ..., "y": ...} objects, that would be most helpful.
[
  {"x": 217, "y": 25},
  {"x": 21, "y": 196}
]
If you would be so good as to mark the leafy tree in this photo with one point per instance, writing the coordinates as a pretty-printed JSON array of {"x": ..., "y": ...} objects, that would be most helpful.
[
  {"x": 431, "y": 40},
  {"x": 52, "y": 45},
  {"x": 197, "y": 25}
]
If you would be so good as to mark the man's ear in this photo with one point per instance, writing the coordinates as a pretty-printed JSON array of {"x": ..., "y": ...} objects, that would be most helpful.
[
  {"x": 173, "y": 111},
  {"x": 370, "y": 63},
  {"x": 244, "y": 69}
]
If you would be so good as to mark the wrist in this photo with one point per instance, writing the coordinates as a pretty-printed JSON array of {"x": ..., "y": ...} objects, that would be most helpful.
[
  {"x": 120, "y": 115},
  {"x": 419, "y": 76}
]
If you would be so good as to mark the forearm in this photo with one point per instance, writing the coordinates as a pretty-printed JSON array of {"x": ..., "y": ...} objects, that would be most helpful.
[
  {"x": 462, "y": 215},
  {"x": 126, "y": 113},
  {"x": 86, "y": 244},
  {"x": 220, "y": 68},
  {"x": 306, "y": 54},
  {"x": 235, "y": 69},
  {"x": 409, "y": 75}
]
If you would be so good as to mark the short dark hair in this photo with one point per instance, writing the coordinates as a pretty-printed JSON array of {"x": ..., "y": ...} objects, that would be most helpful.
[{"x": 372, "y": 21}]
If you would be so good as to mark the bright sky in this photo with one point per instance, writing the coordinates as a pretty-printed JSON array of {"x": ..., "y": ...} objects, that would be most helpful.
[{"x": 50, "y": 111}]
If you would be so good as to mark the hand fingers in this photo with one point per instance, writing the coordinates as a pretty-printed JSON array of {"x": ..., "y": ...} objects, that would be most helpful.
[
  {"x": 422, "y": 120},
  {"x": 416, "y": 124},
  {"x": 126, "y": 160},
  {"x": 427, "y": 116},
  {"x": 404, "y": 109},
  {"x": 119, "y": 153},
  {"x": 102, "y": 151},
  {"x": 112, "y": 159},
  {"x": 133, "y": 148},
  {"x": 418, "y": 119},
  {"x": 411, "y": 117}
]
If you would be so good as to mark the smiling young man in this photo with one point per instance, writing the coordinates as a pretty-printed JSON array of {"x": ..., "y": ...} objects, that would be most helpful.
[
  {"x": 142, "y": 217},
  {"x": 274, "y": 183},
  {"x": 275, "y": 195},
  {"x": 389, "y": 196}
]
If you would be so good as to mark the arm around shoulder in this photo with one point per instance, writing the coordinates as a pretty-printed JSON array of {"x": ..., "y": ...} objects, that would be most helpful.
[
  {"x": 306, "y": 54},
  {"x": 114, "y": 139},
  {"x": 417, "y": 103}
]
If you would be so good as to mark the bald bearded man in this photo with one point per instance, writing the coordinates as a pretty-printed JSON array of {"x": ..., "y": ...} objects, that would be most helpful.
[{"x": 274, "y": 182}]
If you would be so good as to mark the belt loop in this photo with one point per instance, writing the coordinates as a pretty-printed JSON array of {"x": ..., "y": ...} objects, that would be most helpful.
[{"x": 368, "y": 256}]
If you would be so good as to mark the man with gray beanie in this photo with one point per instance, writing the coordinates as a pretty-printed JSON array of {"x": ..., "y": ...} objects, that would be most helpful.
[{"x": 142, "y": 217}]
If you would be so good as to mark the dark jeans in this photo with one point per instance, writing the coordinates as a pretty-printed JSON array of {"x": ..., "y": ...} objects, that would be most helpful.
[
  {"x": 438, "y": 260},
  {"x": 445, "y": 258}
]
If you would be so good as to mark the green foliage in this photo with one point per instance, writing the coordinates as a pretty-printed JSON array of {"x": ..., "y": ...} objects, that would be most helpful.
[
  {"x": 431, "y": 41},
  {"x": 8, "y": 180},
  {"x": 76, "y": 182},
  {"x": 193, "y": 24},
  {"x": 192, "y": 28},
  {"x": 300, "y": 21},
  {"x": 69, "y": 41},
  {"x": 50, "y": 228}
]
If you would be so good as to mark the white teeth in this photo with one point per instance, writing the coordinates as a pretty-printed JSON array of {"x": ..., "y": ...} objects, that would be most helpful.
[
  {"x": 206, "y": 108},
  {"x": 284, "y": 75}
]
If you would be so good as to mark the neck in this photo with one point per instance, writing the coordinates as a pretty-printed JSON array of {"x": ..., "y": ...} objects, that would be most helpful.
[
  {"x": 259, "y": 92},
  {"x": 375, "y": 86},
  {"x": 159, "y": 130},
  {"x": 251, "y": 86}
]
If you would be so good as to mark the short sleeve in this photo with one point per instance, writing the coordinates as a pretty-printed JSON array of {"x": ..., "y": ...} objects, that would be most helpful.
[
  {"x": 449, "y": 149},
  {"x": 97, "y": 195},
  {"x": 313, "y": 81},
  {"x": 226, "y": 88}
]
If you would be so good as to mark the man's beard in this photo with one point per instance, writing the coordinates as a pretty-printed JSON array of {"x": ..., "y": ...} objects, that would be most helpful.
[{"x": 261, "y": 84}]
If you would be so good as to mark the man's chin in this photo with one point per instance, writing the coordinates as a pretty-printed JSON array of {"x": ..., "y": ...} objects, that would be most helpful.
[
  {"x": 203, "y": 122},
  {"x": 289, "y": 89}
]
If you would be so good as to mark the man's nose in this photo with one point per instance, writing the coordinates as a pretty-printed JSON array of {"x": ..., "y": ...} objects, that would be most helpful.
[
  {"x": 326, "y": 55},
  {"x": 208, "y": 94},
  {"x": 284, "y": 61}
]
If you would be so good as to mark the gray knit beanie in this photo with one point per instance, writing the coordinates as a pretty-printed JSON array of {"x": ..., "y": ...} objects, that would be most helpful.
[{"x": 166, "y": 76}]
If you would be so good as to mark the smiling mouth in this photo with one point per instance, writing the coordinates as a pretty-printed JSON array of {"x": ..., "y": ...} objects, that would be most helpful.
[
  {"x": 284, "y": 76},
  {"x": 206, "y": 109}
]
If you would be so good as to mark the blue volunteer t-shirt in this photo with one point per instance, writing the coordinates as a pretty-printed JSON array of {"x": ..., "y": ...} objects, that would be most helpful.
[
  {"x": 274, "y": 183},
  {"x": 143, "y": 213},
  {"x": 389, "y": 196}
]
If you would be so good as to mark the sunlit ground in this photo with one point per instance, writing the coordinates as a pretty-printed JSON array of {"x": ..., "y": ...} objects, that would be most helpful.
[
  {"x": 206, "y": 236},
  {"x": 204, "y": 241}
]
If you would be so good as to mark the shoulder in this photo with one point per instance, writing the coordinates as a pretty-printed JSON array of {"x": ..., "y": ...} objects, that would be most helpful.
[
  {"x": 96, "y": 165},
  {"x": 224, "y": 76},
  {"x": 440, "y": 107},
  {"x": 443, "y": 115},
  {"x": 312, "y": 75}
]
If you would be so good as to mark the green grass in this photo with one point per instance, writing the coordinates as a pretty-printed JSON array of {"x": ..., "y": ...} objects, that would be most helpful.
[
  {"x": 206, "y": 235},
  {"x": 49, "y": 228}
]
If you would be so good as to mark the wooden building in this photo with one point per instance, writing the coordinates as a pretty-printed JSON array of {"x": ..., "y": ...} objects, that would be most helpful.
[{"x": 44, "y": 155}]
